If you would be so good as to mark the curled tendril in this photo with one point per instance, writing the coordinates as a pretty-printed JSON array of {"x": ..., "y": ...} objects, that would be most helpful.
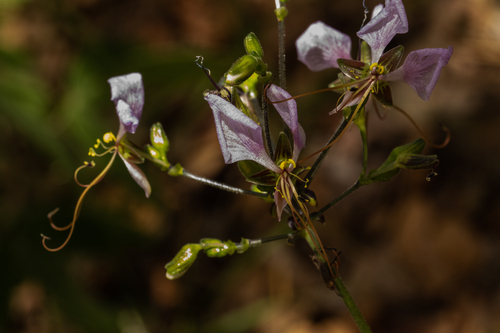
[
  {"x": 78, "y": 207},
  {"x": 86, "y": 164}
]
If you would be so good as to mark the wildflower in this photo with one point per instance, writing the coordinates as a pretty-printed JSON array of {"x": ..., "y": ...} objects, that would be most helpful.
[
  {"x": 127, "y": 92},
  {"x": 321, "y": 47},
  {"x": 240, "y": 139}
]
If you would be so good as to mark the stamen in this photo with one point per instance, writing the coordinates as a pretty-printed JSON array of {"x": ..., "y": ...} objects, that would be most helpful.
[
  {"x": 78, "y": 207},
  {"x": 285, "y": 164},
  {"x": 374, "y": 103},
  {"x": 108, "y": 137},
  {"x": 379, "y": 69},
  {"x": 97, "y": 144},
  {"x": 86, "y": 164}
]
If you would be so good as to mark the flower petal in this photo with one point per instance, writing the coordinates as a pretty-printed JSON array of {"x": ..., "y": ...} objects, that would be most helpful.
[
  {"x": 320, "y": 46},
  {"x": 240, "y": 138},
  {"x": 127, "y": 91},
  {"x": 280, "y": 203},
  {"x": 391, "y": 20},
  {"x": 138, "y": 176},
  {"x": 288, "y": 112},
  {"x": 421, "y": 70}
]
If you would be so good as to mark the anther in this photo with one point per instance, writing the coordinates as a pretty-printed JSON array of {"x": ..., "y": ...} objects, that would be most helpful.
[
  {"x": 97, "y": 144},
  {"x": 92, "y": 152},
  {"x": 108, "y": 137}
]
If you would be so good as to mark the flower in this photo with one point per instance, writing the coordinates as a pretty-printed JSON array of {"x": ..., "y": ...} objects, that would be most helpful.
[
  {"x": 240, "y": 139},
  {"x": 127, "y": 92},
  {"x": 321, "y": 47}
]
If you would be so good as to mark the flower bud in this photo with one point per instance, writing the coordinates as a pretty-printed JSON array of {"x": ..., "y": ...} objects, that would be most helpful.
[
  {"x": 159, "y": 139},
  {"x": 241, "y": 70},
  {"x": 182, "y": 261},
  {"x": 216, "y": 249},
  {"x": 281, "y": 13},
  {"x": 252, "y": 45}
]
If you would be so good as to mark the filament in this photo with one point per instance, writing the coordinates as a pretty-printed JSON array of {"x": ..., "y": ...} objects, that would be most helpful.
[
  {"x": 86, "y": 164},
  {"x": 78, "y": 207}
]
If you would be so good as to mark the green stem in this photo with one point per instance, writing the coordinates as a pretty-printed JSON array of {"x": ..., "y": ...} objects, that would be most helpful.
[
  {"x": 267, "y": 133},
  {"x": 351, "y": 189},
  {"x": 167, "y": 167},
  {"x": 314, "y": 169},
  {"x": 281, "y": 53},
  {"x": 351, "y": 306},
  {"x": 221, "y": 186},
  {"x": 339, "y": 287}
]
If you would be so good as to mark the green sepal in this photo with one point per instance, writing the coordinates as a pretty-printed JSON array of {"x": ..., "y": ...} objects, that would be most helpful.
[
  {"x": 176, "y": 170},
  {"x": 256, "y": 173},
  {"x": 159, "y": 139},
  {"x": 215, "y": 248},
  {"x": 391, "y": 59},
  {"x": 352, "y": 68},
  {"x": 281, "y": 13},
  {"x": 252, "y": 45},
  {"x": 309, "y": 197},
  {"x": 366, "y": 52},
  {"x": 383, "y": 93},
  {"x": 182, "y": 261},
  {"x": 284, "y": 150},
  {"x": 241, "y": 70},
  {"x": 249, "y": 168},
  {"x": 128, "y": 152},
  {"x": 263, "y": 189},
  {"x": 241, "y": 106},
  {"x": 249, "y": 86},
  {"x": 265, "y": 78}
]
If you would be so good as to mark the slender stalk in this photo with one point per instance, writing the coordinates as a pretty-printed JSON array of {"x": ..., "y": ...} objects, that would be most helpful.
[
  {"x": 257, "y": 242},
  {"x": 351, "y": 306},
  {"x": 167, "y": 167},
  {"x": 222, "y": 186},
  {"x": 339, "y": 287},
  {"x": 351, "y": 189},
  {"x": 281, "y": 53},
  {"x": 267, "y": 133}
]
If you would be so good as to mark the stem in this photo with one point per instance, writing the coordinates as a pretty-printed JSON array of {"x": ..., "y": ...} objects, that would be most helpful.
[
  {"x": 221, "y": 186},
  {"x": 339, "y": 288},
  {"x": 267, "y": 133},
  {"x": 351, "y": 306},
  {"x": 281, "y": 53},
  {"x": 167, "y": 167},
  {"x": 314, "y": 169},
  {"x": 351, "y": 189}
]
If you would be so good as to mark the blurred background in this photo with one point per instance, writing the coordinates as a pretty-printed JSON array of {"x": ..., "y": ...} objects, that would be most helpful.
[{"x": 417, "y": 256}]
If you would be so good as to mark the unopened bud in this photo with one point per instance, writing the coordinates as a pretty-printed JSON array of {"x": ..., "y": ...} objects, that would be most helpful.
[
  {"x": 216, "y": 249},
  {"x": 182, "y": 261},
  {"x": 241, "y": 70},
  {"x": 159, "y": 139},
  {"x": 252, "y": 45}
]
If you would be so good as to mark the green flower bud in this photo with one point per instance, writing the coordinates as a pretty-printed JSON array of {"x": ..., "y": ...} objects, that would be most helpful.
[
  {"x": 176, "y": 170},
  {"x": 252, "y": 45},
  {"x": 241, "y": 70},
  {"x": 153, "y": 152},
  {"x": 216, "y": 249},
  {"x": 281, "y": 13},
  {"x": 182, "y": 261},
  {"x": 159, "y": 139}
]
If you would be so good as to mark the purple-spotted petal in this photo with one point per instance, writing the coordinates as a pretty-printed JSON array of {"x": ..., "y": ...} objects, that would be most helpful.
[
  {"x": 240, "y": 138},
  {"x": 391, "y": 20},
  {"x": 288, "y": 111},
  {"x": 127, "y": 92},
  {"x": 138, "y": 176},
  {"x": 320, "y": 46},
  {"x": 421, "y": 70}
]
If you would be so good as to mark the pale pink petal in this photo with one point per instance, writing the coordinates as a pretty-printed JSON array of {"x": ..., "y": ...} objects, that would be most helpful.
[
  {"x": 127, "y": 91},
  {"x": 288, "y": 112},
  {"x": 138, "y": 176},
  {"x": 320, "y": 46},
  {"x": 240, "y": 138},
  {"x": 421, "y": 70},
  {"x": 391, "y": 20}
]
